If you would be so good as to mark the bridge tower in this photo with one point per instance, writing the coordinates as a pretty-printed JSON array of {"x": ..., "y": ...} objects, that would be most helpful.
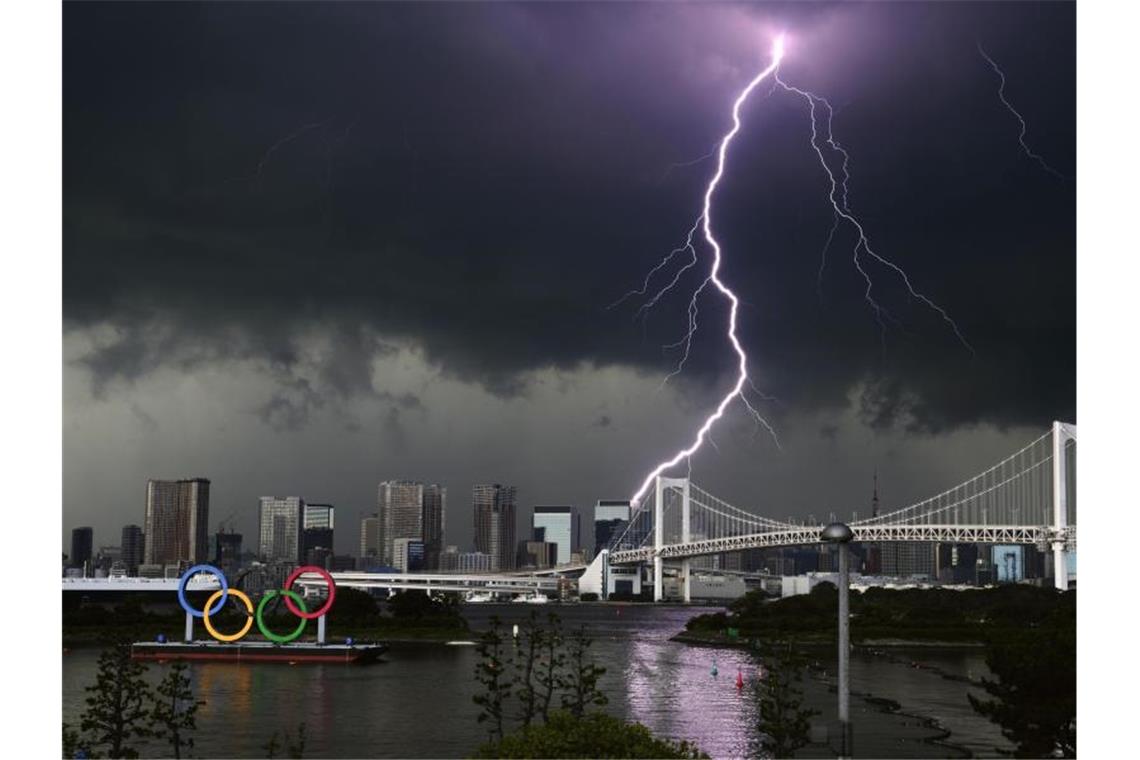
[
  {"x": 659, "y": 534},
  {"x": 1062, "y": 434}
]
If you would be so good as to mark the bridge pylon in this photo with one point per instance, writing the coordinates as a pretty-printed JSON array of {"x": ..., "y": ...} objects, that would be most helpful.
[
  {"x": 1062, "y": 433},
  {"x": 659, "y": 534}
]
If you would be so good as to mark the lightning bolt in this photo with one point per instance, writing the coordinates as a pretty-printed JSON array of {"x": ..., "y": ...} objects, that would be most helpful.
[
  {"x": 838, "y": 198},
  {"x": 1020, "y": 120},
  {"x": 705, "y": 223}
]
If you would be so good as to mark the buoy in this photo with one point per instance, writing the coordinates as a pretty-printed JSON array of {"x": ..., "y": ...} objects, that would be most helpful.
[
  {"x": 516, "y": 631},
  {"x": 739, "y": 679}
]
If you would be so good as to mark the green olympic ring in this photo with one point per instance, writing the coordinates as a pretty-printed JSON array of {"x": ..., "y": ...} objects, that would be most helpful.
[{"x": 261, "y": 626}]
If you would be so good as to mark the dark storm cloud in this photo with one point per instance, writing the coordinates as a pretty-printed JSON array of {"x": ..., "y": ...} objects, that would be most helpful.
[{"x": 482, "y": 181}]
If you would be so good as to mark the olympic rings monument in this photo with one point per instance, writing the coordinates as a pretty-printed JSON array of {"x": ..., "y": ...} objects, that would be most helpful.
[{"x": 276, "y": 647}]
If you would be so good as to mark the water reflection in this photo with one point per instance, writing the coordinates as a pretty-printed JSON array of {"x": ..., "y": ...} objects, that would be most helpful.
[{"x": 418, "y": 703}]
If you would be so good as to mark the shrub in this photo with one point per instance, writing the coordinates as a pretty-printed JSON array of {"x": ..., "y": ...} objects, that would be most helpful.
[{"x": 593, "y": 736}]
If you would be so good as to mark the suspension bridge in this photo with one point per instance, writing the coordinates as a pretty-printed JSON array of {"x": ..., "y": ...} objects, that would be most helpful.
[{"x": 1027, "y": 498}]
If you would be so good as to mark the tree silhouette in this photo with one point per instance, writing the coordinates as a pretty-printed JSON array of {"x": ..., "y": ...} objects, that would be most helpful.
[
  {"x": 490, "y": 671},
  {"x": 175, "y": 710},
  {"x": 1035, "y": 694},
  {"x": 784, "y": 724},
  {"x": 116, "y": 710},
  {"x": 582, "y": 676}
]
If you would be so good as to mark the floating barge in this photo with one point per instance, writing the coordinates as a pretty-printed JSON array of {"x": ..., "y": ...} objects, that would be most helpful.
[{"x": 257, "y": 651}]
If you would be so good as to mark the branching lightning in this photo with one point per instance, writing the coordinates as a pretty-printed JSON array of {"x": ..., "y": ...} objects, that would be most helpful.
[
  {"x": 838, "y": 198},
  {"x": 842, "y": 210},
  {"x": 1020, "y": 120}
]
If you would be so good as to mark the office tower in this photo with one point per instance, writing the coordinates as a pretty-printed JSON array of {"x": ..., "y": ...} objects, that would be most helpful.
[
  {"x": 317, "y": 534},
  {"x": 400, "y": 504},
  {"x": 610, "y": 519},
  {"x": 435, "y": 509},
  {"x": 280, "y": 531},
  {"x": 408, "y": 555},
  {"x": 82, "y": 544},
  {"x": 227, "y": 552},
  {"x": 370, "y": 538},
  {"x": 133, "y": 543},
  {"x": 177, "y": 513},
  {"x": 494, "y": 513},
  {"x": 410, "y": 509},
  {"x": 557, "y": 525}
]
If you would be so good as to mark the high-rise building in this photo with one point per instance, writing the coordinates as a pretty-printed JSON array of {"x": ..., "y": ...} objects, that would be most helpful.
[
  {"x": 370, "y": 538},
  {"x": 410, "y": 509},
  {"x": 557, "y": 525},
  {"x": 435, "y": 509},
  {"x": 133, "y": 543},
  {"x": 82, "y": 546},
  {"x": 177, "y": 513},
  {"x": 280, "y": 531},
  {"x": 494, "y": 512},
  {"x": 610, "y": 519},
  {"x": 317, "y": 534},
  {"x": 400, "y": 504}
]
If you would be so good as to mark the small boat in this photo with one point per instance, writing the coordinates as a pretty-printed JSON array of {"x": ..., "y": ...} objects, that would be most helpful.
[
  {"x": 535, "y": 598},
  {"x": 474, "y": 597}
]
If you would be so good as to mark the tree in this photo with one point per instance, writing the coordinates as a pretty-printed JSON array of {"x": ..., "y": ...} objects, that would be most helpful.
[
  {"x": 1035, "y": 694},
  {"x": 490, "y": 671},
  {"x": 784, "y": 724},
  {"x": 551, "y": 664},
  {"x": 117, "y": 711},
  {"x": 592, "y": 736},
  {"x": 528, "y": 694},
  {"x": 582, "y": 676},
  {"x": 175, "y": 709}
]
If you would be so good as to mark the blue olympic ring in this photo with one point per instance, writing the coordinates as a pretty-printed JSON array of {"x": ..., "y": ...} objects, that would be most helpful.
[{"x": 186, "y": 576}]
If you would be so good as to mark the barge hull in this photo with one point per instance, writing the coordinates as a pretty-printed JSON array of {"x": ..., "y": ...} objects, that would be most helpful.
[{"x": 258, "y": 652}]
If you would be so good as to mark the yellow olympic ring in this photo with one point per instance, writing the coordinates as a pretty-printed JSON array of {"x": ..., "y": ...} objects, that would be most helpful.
[{"x": 248, "y": 621}]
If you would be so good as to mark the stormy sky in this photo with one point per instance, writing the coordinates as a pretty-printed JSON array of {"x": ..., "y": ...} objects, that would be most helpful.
[{"x": 309, "y": 247}]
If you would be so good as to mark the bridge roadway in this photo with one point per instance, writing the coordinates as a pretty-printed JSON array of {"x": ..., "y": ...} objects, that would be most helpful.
[
  {"x": 497, "y": 582},
  {"x": 809, "y": 534}
]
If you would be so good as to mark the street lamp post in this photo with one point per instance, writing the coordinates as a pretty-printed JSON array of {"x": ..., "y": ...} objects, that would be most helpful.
[{"x": 840, "y": 534}]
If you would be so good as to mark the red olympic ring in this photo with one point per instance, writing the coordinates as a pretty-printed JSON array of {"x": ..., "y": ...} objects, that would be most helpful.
[{"x": 328, "y": 602}]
